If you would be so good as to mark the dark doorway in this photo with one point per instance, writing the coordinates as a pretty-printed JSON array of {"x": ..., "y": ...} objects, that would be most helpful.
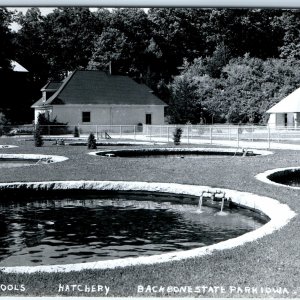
[{"x": 148, "y": 119}]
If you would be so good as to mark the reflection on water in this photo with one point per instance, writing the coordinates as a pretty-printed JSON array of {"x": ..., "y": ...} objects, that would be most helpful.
[{"x": 73, "y": 231}]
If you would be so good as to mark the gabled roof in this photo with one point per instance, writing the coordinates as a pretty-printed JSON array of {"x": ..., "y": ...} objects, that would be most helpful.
[
  {"x": 289, "y": 104},
  {"x": 98, "y": 87},
  {"x": 51, "y": 86},
  {"x": 17, "y": 67}
]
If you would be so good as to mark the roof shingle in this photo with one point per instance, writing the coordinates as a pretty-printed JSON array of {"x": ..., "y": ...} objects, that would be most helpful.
[{"x": 98, "y": 87}]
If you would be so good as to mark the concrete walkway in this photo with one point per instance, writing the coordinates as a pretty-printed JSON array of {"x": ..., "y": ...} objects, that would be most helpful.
[{"x": 240, "y": 144}]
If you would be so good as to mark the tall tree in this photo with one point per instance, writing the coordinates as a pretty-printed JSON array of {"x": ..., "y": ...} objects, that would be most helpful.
[
  {"x": 68, "y": 37},
  {"x": 245, "y": 31},
  {"x": 123, "y": 43},
  {"x": 6, "y": 45},
  {"x": 184, "y": 106},
  {"x": 178, "y": 34},
  {"x": 288, "y": 24}
]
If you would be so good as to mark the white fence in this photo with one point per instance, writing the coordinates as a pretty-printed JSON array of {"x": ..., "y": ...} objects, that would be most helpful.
[{"x": 190, "y": 133}]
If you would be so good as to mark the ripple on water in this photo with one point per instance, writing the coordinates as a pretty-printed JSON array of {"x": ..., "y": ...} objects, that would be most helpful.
[{"x": 76, "y": 231}]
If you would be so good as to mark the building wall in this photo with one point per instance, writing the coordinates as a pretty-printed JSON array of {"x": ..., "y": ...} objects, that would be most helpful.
[
  {"x": 290, "y": 120},
  {"x": 108, "y": 115},
  {"x": 297, "y": 119},
  {"x": 279, "y": 120},
  {"x": 46, "y": 111},
  {"x": 272, "y": 120}
]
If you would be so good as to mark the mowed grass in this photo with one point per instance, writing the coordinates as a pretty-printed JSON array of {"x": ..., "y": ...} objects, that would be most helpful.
[{"x": 270, "y": 262}]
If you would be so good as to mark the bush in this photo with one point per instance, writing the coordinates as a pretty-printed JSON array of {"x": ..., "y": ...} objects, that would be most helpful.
[
  {"x": 177, "y": 136},
  {"x": 38, "y": 139},
  {"x": 92, "y": 142},
  {"x": 51, "y": 127},
  {"x": 76, "y": 132}
]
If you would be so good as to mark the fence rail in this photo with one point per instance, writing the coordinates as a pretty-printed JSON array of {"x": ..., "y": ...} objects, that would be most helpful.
[{"x": 190, "y": 133}]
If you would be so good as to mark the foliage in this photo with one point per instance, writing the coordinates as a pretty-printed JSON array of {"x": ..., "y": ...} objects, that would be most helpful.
[
  {"x": 123, "y": 43},
  {"x": 177, "y": 136},
  {"x": 184, "y": 105},
  {"x": 76, "y": 132},
  {"x": 38, "y": 139},
  {"x": 92, "y": 141},
  {"x": 205, "y": 46},
  {"x": 247, "y": 87},
  {"x": 48, "y": 126},
  {"x": 6, "y": 39}
]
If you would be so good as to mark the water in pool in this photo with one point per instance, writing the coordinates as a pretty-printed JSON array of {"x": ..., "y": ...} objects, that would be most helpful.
[
  {"x": 157, "y": 153},
  {"x": 289, "y": 177},
  {"x": 76, "y": 231}
]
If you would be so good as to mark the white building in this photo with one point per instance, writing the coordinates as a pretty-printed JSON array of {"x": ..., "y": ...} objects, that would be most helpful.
[
  {"x": 98, "y": 98},
  {"x": 286, "y": 112}
]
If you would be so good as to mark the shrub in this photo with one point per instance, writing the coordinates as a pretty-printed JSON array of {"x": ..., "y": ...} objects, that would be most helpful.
[
  {"x": 51, "y": 126},
  {"x": 38, "y": 139},
  {"x": 177, "y": 136},
  {"x": 76, "y": 132},
  {"x": 92, "y": 142}
]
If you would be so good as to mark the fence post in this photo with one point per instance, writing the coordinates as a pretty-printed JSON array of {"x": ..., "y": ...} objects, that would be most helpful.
[
  {"x": 229, "y": 132},
  {"x": 238, "y": 136},
  {"x": 120, "y": 131},
  {"x": 269, "y": 137},
  {"x": 96, "y": 132},
  {"x": 210, "y": 134},
  {"x": 150, "y": 132},
  {"x": 168, "y": 127},
  {"x": 134, "y": 131}
]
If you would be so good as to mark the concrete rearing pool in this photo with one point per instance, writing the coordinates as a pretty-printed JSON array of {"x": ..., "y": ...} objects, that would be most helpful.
[
  {"x": 285, "y": 177},
  {"x": 180, "y": 152},
  {"x": 173, "y": 207},
  {"x": 21, "y": 160}
]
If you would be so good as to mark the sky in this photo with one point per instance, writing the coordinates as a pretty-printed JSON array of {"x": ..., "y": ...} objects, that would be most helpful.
[
  {"x": 14, "y": 26},
  {"x": 44, "y": 11}
]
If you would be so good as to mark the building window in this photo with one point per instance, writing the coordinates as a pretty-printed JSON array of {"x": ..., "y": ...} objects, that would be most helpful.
[
  {"x": 86, "y": 116},
  {"x": 148, "y": 119}
]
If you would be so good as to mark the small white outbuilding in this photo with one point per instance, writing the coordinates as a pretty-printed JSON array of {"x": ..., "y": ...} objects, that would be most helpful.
[
  {"x": 88, "y": 97},
  {"x": 286, "y": 113}
]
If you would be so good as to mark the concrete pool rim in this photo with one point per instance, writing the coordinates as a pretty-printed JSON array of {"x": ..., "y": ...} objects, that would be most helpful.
[
  {"x": 165, "y": 150},
  {"x": 279, "y": 214},
  {"x": 8, "y": 146},
  {"x": 265, "y": 176},
  {"x": 49, "y": 159}
]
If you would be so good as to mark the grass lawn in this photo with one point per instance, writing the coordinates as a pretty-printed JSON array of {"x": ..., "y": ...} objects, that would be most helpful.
[{"x": 270, "y": 262}]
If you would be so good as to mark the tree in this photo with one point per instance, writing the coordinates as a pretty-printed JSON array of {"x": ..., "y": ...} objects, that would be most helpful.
[
  {"x": 244, "y": 31},
  {"x": 38, "y": 139},
  {"x": 177, "y": 136},
  {"x": 123, "y": 42},
  {"x": 184, "y": 104},
  {"x": 6, "y": 39},
  {"x": 76, "y": 132},
  {"x": 177, "y": 33},
  {"x": 288, "y": 25},
  {"x": 30, "y": 44},
  {"x": 92, "y": 142}
]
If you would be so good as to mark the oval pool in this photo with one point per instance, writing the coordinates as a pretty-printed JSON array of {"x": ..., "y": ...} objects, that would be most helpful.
[
  {"x": 180, "y": 152},
  {"x": 82, "y": 230},
  {"x": 44, "y": 222},
  {"x": 288, "y": 177}
]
